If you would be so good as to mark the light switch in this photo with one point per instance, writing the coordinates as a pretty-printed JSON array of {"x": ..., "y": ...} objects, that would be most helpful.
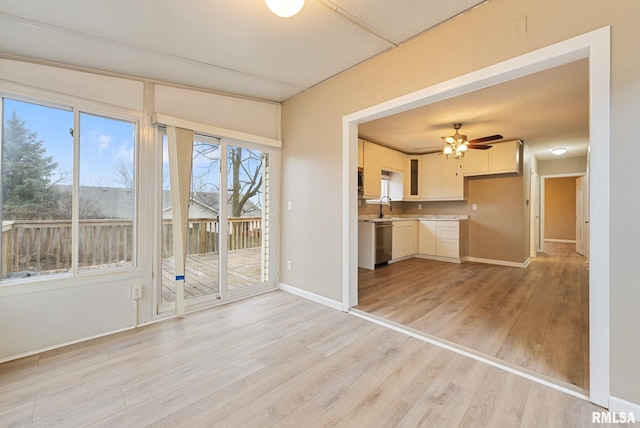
[
  {"x": 289, "y": 206},
  {"x": 519, "y": 27}
]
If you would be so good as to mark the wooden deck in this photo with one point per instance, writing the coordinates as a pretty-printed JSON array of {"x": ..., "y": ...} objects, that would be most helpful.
[{"x": 201, "y": 276}]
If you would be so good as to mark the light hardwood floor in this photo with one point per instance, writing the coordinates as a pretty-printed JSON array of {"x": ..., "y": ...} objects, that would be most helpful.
[
  {"x": 535, "y": 318},
  {"x": 272, "y": 360}
]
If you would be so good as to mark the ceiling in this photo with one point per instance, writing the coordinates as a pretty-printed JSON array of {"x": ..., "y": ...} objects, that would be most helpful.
[
  {"x": 234, "y": 47},
  {"x": 241, "y": 48},
  {"x": 547, "y": 109}
]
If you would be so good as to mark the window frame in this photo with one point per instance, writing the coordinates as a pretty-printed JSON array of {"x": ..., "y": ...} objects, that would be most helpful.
[{"x": 77, "y": 107}]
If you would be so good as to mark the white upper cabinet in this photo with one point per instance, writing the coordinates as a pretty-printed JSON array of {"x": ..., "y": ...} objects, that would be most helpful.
[
  {"x": 371, "y": 170},
  {"x": 442, "y": 178},
  {"x": 412, "y": 178},
  {"x": 375, "y": 159},
  {"x": 502, "y": 158}
]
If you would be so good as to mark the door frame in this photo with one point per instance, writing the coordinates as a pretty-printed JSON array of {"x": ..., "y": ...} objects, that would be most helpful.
[
  {"x": 594, "y": 45},
  {"x": 543, "y": 183},
  {"x": 534, "y": 214},
  {"x": 225, "y": 139}
]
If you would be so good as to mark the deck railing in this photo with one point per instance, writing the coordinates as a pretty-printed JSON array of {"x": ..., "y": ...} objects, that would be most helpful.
[{"x": 45, "y": 245}]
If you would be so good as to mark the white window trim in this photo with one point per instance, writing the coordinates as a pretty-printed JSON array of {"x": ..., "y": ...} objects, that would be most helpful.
[{"x": 75, "y": 105}]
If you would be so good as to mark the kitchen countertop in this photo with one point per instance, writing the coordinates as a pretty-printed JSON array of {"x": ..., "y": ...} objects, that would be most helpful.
[{"x": 410, "y": 217}]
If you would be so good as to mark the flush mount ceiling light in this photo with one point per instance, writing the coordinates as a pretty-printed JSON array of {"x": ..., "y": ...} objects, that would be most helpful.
[
  {"x": 559, "y": 151},
  {"x": 285, "y": 8}
]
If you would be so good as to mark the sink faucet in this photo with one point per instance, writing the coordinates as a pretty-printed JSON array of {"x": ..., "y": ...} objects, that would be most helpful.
[{"x": 381, "y": 199}]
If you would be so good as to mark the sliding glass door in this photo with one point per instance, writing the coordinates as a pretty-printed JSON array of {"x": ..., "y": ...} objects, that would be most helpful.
[
  {"x": 228, "y": 245},
  {"x": 247, "y": 218}
]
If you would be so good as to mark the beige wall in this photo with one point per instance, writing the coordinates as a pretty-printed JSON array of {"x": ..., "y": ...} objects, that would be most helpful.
[
  {"x": 496, "y": 227},
  {"x": 563, "y": 166},
  {"x": 312, "y": 142},
  {"x": 560, "y": 208}
]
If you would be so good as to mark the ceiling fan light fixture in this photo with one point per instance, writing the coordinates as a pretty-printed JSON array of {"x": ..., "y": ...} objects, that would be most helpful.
[
  {"x": 559, "y": 151},
  {"x": 448, "y": 150},
  {"x": 285, "y": 8}
]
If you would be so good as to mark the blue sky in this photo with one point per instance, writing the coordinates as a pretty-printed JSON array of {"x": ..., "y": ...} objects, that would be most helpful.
[{"x": 104, "y": 143}]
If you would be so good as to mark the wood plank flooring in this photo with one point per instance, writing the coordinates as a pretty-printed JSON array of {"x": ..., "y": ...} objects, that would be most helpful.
[
  {"x": 535, "y": 317},
  {"x": 273, "y": 360},
  {"x": 202, "y": 273}
]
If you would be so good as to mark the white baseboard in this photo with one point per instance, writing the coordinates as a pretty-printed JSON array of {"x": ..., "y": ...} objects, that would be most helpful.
[
  {"x": 6, "y": 358},
  {"x": 564, "y": 241},
  {"x": 618, "y": 405},
  {"x": 500, "y": 262},
  {"x": 442, "y": 259},
  {"x": 334, "y": 304}
]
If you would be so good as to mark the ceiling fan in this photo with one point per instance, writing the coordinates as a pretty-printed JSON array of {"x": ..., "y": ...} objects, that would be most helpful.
[{"x": 457, "y": 144}]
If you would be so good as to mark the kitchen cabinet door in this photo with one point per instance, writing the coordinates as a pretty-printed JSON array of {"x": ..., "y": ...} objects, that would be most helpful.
[
  {"x": 504, "y": 157},
  {"x": 372, "y": 170},
  {"x": 427, "y": 235},
  {"x": 448, "y": 239},
  {"x": 442, "y": 178},
  {"x": 501, "y": 158},
  {"x": 404, "y": 239},
  {"x": 360, "y": 153},
  {"x": 412, "y": 178},
  {"x": 476, "y": 162},
  {"x": 432, "y": 177},
  {"x": 452, "y": 179}
]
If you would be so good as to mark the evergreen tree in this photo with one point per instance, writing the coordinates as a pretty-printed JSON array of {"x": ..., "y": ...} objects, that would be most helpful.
[{"x": 27, "y": 192}]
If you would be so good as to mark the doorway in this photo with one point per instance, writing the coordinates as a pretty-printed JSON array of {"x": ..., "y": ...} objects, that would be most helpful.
[
  {"x": 562, "y": 204},
  {"x": 595, "y": 46}
]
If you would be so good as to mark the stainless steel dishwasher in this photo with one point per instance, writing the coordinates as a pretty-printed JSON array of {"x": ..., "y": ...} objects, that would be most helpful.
[{"x": 384, "y": 236}]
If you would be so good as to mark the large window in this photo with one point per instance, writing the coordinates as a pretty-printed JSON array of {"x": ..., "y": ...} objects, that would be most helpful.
[{"x": 68, "y": 191}]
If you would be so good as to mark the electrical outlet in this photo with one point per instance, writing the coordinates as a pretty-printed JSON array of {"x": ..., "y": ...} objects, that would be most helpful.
[
  {"x": 288, "y": 264},
  {"x": 419, "y": 206},
  {"x": 289, "y": 206},
  {"x": 136, "y": 292},
  {"x": 474, "y": 207}
]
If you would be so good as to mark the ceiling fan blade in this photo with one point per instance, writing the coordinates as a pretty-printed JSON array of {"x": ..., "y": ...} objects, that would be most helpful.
[
  {"x": 479, "y": 147},
  {"x": 485, "y": 139}
]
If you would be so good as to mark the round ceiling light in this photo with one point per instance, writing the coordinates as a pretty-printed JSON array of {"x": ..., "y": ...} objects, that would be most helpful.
[
  {"x": 559, "y": 151},
  {"x": 285, "y": 8}
]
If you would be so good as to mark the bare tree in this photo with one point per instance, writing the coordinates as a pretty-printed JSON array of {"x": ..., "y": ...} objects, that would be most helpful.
[
  {"x": 245, "y": 176},
  {"x": 125, "y": 177},
  {"x": 244, "y": 171}
]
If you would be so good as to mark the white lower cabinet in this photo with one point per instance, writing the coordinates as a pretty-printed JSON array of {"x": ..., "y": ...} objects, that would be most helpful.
[
  {"x": 404, "y": 240},
  {"x": 443, "y": 238},
  {"x": 427, "y": 235},
  {"x": 448, "y": 241}
]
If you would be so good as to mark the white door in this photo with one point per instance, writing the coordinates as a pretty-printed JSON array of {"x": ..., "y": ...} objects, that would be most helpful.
[{"x": 579, "y": 217}]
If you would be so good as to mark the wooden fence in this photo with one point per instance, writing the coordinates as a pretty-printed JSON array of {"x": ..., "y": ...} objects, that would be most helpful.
[{"x": 38, "y": 246}]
